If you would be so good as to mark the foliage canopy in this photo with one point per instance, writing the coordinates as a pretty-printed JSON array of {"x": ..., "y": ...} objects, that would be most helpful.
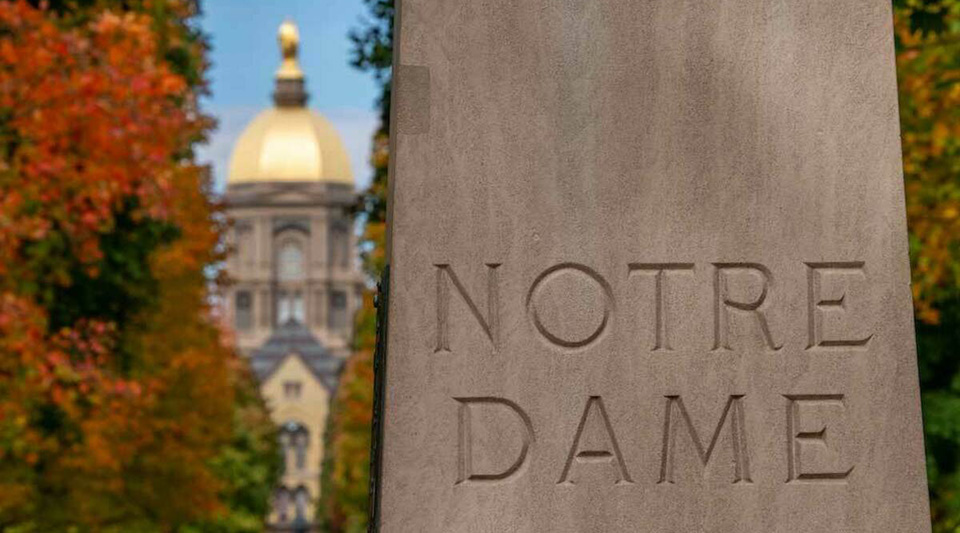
[{"x": 117, "y": 392}]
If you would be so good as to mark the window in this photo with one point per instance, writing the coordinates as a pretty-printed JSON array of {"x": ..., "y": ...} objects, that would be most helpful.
[
  {"x": 294, "y": 443},
  {"x": 244, "y": 310},
  {"x": 298, "y": 309},
  {"x": 283, "y": 308},
  {"x": 338, "y": 310},
  {"x": 290, "y": 308},
  {"x": 281, "y": 505},
  {"x": 291, "y": 390},
  {"x": 301, "y": 500},
  {"x": 300, "y": 444},
  {"x": 286, "y": 444},
  {"x": 290, "y": 262}
]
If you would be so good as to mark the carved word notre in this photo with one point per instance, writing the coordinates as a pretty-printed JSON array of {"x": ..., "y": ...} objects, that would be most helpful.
[{"x": 755, "y": 279}]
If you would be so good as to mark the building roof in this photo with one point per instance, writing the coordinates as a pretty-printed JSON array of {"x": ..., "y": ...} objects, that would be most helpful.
[{"x": 294, "y": 339}]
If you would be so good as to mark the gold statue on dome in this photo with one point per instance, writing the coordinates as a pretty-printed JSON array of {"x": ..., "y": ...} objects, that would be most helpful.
[{"x": 289, "y": 39}]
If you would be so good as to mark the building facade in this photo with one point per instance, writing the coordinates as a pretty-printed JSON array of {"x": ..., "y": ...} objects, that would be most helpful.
[{"x": 295, "y": 281}]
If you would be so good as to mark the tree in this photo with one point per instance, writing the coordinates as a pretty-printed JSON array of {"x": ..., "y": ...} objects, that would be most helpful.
[
  {"x": 248, "y": 468},
  {"x": 928, "y": 65},
  {"x": 928, "y": 61},
  {"x": 346, "y": 469},
  {"x": 373, "y": 52},
  {"x": 118, "y": 396},
  {"x": 346, "y": 473}
]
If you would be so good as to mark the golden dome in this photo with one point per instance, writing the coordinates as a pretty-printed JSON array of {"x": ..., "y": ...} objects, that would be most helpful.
[{"x": 289, "y": 142}]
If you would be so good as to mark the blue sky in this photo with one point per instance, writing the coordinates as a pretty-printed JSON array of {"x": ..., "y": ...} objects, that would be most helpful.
[{"x": 245, "y": 55}]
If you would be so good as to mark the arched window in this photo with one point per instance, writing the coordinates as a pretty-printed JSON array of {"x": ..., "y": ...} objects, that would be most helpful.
[
  {"x": 295, "y": 442},
  {"x": 290, "y": 262},
  {"x": 285, "y": 447},
  {"x": 281, "y": 505},
  {"x": 244, "y": 310},
  {"x": 301, "y": 441},
  {"x": 301, "y": 501},
  {"x": 290, "y": 308},
  {"x": 298, "y": 310}
]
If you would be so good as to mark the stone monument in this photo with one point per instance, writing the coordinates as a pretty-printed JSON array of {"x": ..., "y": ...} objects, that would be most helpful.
[{"x": 648, "y": 271}]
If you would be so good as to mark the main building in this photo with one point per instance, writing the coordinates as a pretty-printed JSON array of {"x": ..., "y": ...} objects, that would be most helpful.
[{"x": 296, "y": 284}]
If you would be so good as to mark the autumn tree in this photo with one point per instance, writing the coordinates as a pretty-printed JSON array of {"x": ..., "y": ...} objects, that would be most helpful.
[
  {"x": 373, "y": 53},
  {"x": 343, "y": 504},
  {"x": 928, "y": 59},
  {"x": 346, "y": 469},
  {"x": 119, "y": 402},
  {"x": 928, "y": 65}
]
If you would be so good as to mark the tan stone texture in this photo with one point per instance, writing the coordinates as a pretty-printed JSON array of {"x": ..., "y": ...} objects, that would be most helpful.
[{"x": 649, "y": 271}]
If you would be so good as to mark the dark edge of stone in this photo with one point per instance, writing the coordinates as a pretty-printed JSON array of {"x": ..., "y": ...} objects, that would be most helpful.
[{"x": 379, "y": 386}]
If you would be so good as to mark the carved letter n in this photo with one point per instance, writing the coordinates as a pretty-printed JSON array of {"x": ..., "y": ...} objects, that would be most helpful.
[{"x": 489, "y": 324}]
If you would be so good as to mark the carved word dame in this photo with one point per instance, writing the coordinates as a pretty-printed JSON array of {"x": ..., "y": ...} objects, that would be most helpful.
[
  {"x": 813, "y": 453},
  {"x": 726, "y": 306}
]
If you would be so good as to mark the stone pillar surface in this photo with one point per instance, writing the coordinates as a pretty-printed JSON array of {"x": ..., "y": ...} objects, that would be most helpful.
[{"x": 649, "y": 271}]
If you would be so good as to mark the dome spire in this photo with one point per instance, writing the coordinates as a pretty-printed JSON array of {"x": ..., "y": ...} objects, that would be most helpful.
[
  {"x": 289, "y": 90},
  {"x": 289, "y": 39}
]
